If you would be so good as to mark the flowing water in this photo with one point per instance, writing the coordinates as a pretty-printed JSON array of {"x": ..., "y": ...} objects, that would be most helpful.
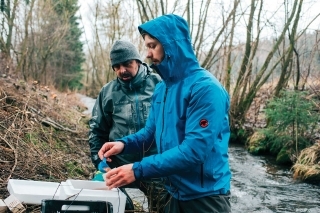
[
  {"x": 260, "y": 186},
  {"x": 88, "y": 102},
  {"x": 257, "y": 185}
]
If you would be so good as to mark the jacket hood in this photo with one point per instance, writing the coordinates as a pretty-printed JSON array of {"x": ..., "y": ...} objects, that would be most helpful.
[{"x": 172, "y": 32}]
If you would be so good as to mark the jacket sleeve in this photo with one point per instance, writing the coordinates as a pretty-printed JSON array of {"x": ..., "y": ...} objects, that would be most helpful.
[
  {"x": 198, "y": 142},
  {"x": 99, "y": 127}
]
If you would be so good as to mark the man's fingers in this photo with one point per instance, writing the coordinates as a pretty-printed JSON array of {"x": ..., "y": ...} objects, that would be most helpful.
[
  {"x": 110, "y": 149},
  {"x": 103, "y": 151},
  {"x": 112, "y": 185},
  {"x": 112, "y": 181},
  {"x": 107, "y": 153},
  {"x": 111, "y": 173},
  {"x": 115, "y": 183},
  {"x": 120, "y": 176}
]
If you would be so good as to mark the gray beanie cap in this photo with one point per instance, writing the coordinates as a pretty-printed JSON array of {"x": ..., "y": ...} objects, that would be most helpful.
[{"x": 122, "y": 51}]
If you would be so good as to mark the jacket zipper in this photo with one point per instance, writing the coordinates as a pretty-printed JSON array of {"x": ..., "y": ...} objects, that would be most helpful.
[
  {"x": 137, "y": 109},
  {"x": 137, "y": 104},
  {"x": 164, "y": 102}
]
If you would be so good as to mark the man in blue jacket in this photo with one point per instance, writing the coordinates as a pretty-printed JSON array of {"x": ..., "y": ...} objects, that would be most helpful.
[{"x": 188, "y": 120}]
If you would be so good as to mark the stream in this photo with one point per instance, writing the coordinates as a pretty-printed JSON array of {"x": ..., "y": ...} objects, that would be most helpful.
[{"x": 257, "y": 184}]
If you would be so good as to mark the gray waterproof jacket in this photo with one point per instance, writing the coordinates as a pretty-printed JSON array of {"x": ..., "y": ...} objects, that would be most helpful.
[{"x": 121, "y": 109}]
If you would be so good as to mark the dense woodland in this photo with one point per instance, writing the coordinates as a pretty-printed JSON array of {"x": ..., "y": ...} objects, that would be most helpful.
[{"x": 267, "y": 57}]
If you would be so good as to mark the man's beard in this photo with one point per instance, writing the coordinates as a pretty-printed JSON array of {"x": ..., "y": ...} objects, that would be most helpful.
[{"x": 126, "y": 75}]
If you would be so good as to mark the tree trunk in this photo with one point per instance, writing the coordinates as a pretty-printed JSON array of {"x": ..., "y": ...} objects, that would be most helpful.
[{"x": 244, "y": 93}]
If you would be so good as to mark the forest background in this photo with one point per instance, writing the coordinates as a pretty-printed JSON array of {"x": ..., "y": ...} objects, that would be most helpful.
[{"x": 265, "y": 53}]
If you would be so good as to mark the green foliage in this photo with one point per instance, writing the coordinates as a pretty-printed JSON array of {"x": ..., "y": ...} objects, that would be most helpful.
[
  {"x": 74, "y": 169},
  {"x": 2, "y": 5},
  {"x": 70, "y": 56},
  {"x": 291, "y": 122},
  {"x": 283, "y": 156},
  {"x": 238, "y": 136},
  {"x": 254, "y": 144},
  {"x": 31, "y": 137},
  {"x": 61, "y": 145}
]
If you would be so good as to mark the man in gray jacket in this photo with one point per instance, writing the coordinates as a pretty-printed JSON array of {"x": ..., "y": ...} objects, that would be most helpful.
[{"x": 122, "y": 108}]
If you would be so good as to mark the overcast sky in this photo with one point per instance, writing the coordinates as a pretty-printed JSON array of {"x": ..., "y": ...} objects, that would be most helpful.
[{"x": 310, "y": 10}]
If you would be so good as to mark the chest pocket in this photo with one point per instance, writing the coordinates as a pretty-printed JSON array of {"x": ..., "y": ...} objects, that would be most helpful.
[{"x": 130, "y": 117}]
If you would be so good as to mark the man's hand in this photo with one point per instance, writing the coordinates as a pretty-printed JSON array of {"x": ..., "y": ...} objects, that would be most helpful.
[
  {"x": 109, "y": 149},
  {"x": 120, "y": 176}
]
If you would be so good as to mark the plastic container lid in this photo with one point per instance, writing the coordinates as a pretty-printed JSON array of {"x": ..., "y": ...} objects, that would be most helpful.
[{"x": 33, "y": 192}]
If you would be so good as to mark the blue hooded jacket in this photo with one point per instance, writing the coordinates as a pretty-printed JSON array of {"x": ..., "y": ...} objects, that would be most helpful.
[{"x": 188, "y": 119}]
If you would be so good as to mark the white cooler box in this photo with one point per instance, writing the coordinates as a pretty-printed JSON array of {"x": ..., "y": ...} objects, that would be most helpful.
[
  {"x": 33, "y": 192},
  {"x": 86, "y": 190}
]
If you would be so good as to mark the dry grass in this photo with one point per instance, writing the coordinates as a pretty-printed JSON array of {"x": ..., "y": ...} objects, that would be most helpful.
[
  {"x": 43, "y": 135},
  {"x": 307, "y": 166}
]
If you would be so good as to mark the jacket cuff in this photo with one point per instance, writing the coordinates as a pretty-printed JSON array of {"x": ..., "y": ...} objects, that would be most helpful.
[
  {"x": 137, "y": 170},
  {"x": 123, "y": 151}
]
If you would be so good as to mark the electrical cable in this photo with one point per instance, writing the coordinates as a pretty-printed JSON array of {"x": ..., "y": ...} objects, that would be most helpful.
[{"x": 73, "y": 200}]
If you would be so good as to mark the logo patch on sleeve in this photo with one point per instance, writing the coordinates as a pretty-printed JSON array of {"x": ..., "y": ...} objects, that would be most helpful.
[{"x": 204, "y": 123}]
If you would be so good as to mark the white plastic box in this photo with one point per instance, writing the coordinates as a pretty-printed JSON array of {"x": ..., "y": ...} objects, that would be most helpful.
[
  {"x": 86, "y": 190},
  {"x": 32, "y": 192}
]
